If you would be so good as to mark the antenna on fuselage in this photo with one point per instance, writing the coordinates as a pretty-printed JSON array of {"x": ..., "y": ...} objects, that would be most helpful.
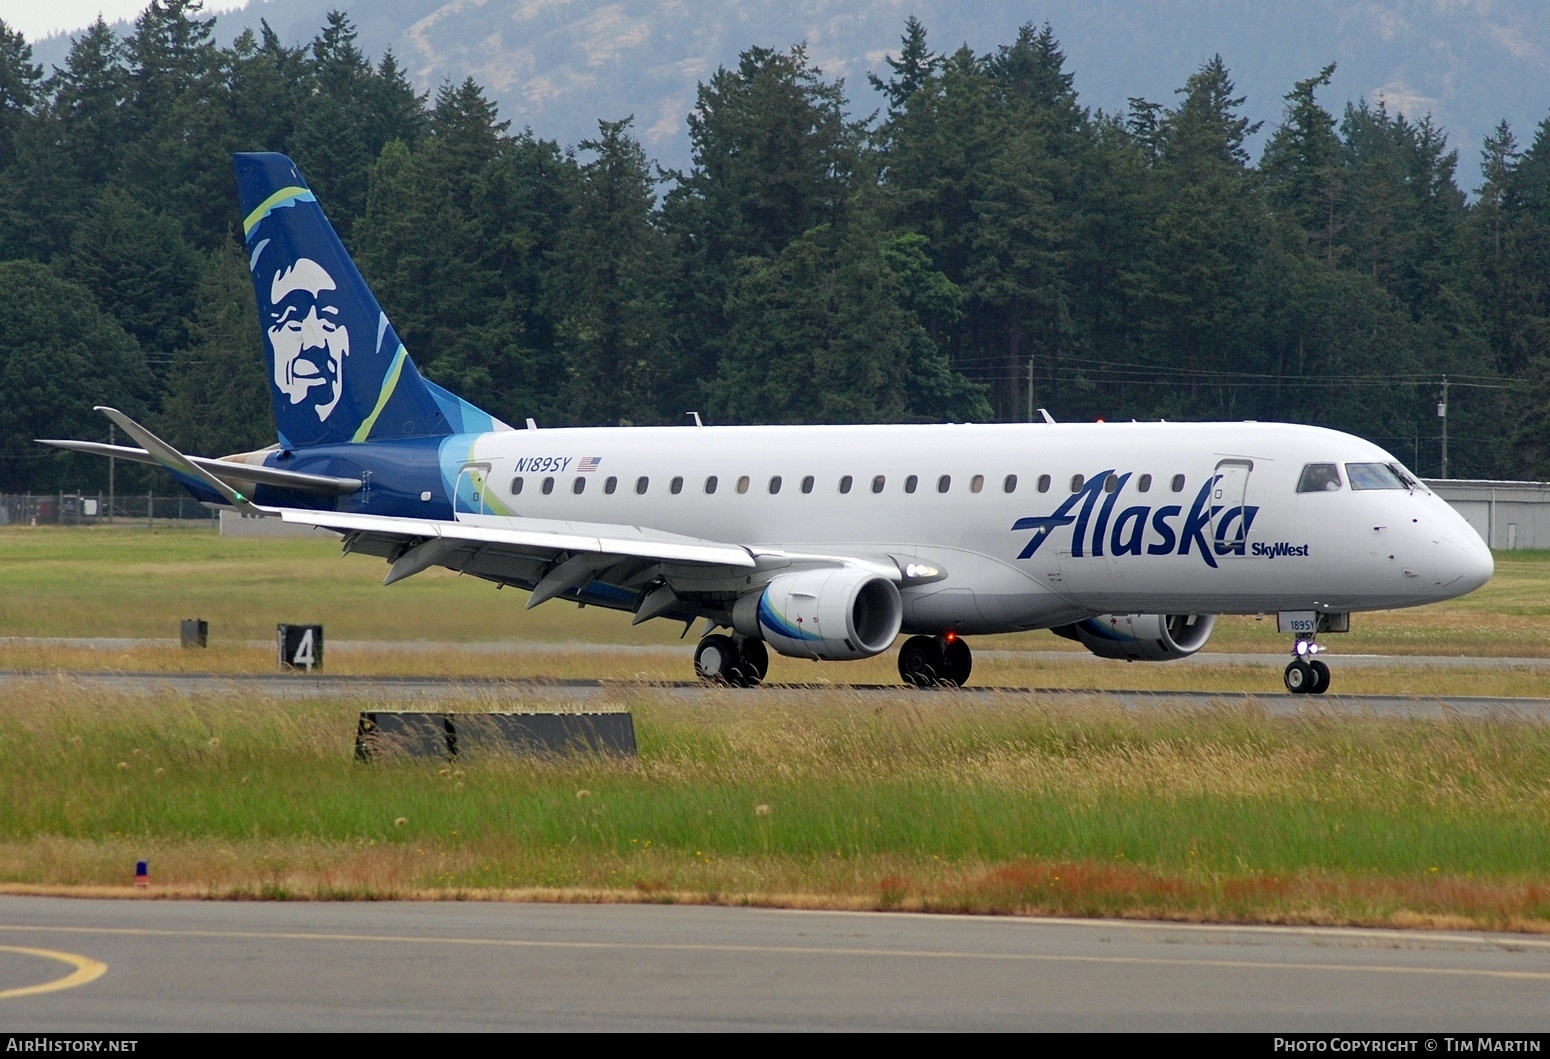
[
  {"x": 696, "y": 417},
  {"x": 1047, "y": 417}
]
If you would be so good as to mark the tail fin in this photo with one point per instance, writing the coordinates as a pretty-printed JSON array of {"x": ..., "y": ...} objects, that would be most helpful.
[{"x": 337, "y": 370}]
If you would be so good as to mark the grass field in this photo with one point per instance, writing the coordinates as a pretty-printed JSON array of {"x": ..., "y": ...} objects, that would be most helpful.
[
  {"x": 928, "y": 801},
  {"x": 997, "y": 807}
]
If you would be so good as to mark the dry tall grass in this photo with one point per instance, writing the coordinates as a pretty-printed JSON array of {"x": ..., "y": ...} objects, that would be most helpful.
[{"x": 989, "y": 804}]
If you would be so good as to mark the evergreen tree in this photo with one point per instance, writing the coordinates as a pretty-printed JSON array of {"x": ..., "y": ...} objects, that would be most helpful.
[
  {"x": 454, "y": 241},
  {"x": 1205, "y": 133},
  {"x": 88, "y": 98},
  {"x": 217, "y": 389},
  {"x": 911, "y": 70},
  {"x": 1197, "y": 311},
  {"x": 823, "y": 333},
  {"x": 774, "y": 154},
  {"x": 604, "y": 288},
  {"x": 1031, "y": 77},
  {"x": 20, "y": 78},
  {"x": 59, "y": 356},
  {"x": 1301, "y": 164},
  {"x": 398, "y": 112},
  {"x": 138, "y": 268},
  {"x": 332, "y": 141}
]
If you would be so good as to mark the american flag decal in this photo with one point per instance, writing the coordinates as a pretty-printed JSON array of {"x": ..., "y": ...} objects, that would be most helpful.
[{"x": 588, "y": 463}]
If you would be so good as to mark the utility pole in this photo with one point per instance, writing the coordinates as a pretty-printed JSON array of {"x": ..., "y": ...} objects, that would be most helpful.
[
  {"x": 1442, "y": 413},
  {"x": 112, "y": 440},
  {"x": 1030, "y": 389}
]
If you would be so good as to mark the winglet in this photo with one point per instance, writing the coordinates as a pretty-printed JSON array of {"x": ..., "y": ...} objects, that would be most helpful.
[{"x": 178, "y": 463}]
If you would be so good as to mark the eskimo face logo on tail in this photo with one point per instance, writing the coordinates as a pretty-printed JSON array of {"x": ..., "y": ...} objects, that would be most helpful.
[
  {"x": 307, "y": 338},
  {"x": 1212, "y": 529}
]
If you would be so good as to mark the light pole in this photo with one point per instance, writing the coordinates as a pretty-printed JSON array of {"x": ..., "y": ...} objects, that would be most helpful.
[{"x": 1442, "y": 413}]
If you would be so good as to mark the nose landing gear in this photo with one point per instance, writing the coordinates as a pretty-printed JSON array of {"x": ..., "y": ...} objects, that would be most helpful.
[
  {"x": 1305, "y": 674},
  {"x": 935, "y": 661}
]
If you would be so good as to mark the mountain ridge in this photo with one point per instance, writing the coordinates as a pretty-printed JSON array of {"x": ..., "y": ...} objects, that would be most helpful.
[{"x": 560, "y": 66}]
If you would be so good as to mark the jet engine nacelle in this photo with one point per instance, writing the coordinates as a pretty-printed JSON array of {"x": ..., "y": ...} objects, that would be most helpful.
[
  {"x": 1141, "y": 637},
  {"x": 835, "y": 614}
]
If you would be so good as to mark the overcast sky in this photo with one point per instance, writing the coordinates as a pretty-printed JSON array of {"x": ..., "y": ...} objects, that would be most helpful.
[{"x": 36, "y": 19}]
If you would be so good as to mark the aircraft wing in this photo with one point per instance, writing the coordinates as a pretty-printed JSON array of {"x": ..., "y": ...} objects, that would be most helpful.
[
  {"x": 531, "y": 534},
  {"x": 651, "y": 573},
  {"x": 635, "y": 568}
]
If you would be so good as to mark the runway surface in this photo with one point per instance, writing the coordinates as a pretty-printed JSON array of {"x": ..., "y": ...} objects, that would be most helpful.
[
  {"x": 124, "y": 967},
  {"x": 596, "y": 694}
]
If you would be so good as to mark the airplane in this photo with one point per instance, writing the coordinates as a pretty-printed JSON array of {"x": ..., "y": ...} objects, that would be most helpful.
[{"x": 820, "y": 542}]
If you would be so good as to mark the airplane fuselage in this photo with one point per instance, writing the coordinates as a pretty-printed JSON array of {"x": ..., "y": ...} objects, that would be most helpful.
[{"x": 1033, "y": 525}]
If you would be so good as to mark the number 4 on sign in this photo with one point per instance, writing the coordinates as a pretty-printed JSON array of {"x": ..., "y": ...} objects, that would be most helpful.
[
  {"x": 304, "y": 656},
  {"x": 301, "y": 646}
]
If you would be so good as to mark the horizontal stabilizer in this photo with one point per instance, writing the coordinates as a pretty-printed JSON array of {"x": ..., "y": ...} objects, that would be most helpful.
[
  {"x": 227, "y": 470},
  {"x": 176, "y": 462}
]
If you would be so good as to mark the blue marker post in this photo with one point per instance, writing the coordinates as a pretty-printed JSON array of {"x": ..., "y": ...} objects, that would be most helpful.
[{"x": 142, "y": 875}]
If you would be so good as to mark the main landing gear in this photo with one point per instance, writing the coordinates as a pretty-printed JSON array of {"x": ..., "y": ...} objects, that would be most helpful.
[
  {"x": 737, "y": 661},
  {"x": 932, "y": 661},
  {"x": 1306, "y": 675}
]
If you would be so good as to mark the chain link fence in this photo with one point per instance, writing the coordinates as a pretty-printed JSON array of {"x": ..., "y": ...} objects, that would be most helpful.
[{"x": 81, "y": 509}]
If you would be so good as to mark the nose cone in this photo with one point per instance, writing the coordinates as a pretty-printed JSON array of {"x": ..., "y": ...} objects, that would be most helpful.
[{"x": 1463, "y": 562}]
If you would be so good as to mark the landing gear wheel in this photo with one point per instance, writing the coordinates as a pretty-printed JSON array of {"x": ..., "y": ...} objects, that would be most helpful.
[
  {"x": 957, "y": 662},
  {"x": 753, "y": 662},
  {"x": 1320, "y": 677},
  {"x": 715, "y": 659},
  {"x": 921, "y": 661},
  {"x": 1300, "y": 679}
]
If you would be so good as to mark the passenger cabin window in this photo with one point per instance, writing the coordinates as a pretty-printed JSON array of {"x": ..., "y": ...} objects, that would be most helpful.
[
  {"x": 775, "y": 485},
  {"x": 1044, "y": 483},
  {"x": 610, "y": 485},
  {"x": 1077, "y": 481},
  {"x": 1320, "y": 478},
  {"x": 676, "y": 486},
  {"x": 1009, "y": 484},
  {"x": 1144, "y": 484},
  {"x": 548, "y": 486},
  {"x": 845, "y": 484},
  {"x": 742, "y": 484},
  {"x": 976, "y": 483},
  {"x": 878, "y": 483},
  {"x": 710, "y": 485},
  {"x": 1111, "y": 484},
  {"x": 807, "y": 484},
  {"x": 640, "y": 485},
  {"x": 1374, "y": 476},
  {"x": 516, "y": 486},
  {"x": 911, "y": 482},
  {"x": 578, "y": 486},
  {"x": 1177, "y": 485},
  {"x": 944, "y": 483}
]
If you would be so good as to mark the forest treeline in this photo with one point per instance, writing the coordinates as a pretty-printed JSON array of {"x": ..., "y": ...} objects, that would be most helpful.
[{"x": 982, "y": 246}]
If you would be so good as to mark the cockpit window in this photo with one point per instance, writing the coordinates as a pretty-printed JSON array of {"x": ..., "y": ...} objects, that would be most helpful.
[
  {"x": 1375, "y": 476},
  {"x": 1320, "y": 478}
]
